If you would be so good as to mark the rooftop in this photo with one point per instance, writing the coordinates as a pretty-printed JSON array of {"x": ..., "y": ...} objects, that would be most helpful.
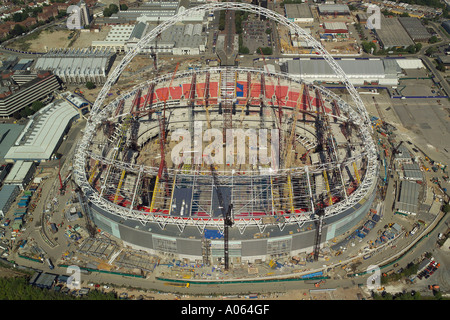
[
  {"x": 18, "y": 172},
  {"x": 415, "y": 28},
  {"x": 408, "y": 197},
  {"x": 392, "y": 34},
  {"x": 352, "y": 67},
  {"x": 333, "y": 8},
  {"x": 43, "y": 132},
  {"x": 295, "y": 11},
  {"x": 8, "y": 135},
  {"x": 5, "y": 193}
]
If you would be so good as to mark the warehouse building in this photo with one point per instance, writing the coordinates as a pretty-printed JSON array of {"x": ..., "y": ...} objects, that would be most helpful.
[
  {"x": 8, "y": 194},
  {"x": 415, "y": 29},
  {"x": 43, "y": 133},
  {"x": 362, "y": 17},
  {"x": 358, "y": 71},
  {"x": 156, "y": 12},
  {"x": 408, "y": 197},
  {"x": 78, "y": 66},
  {"x": 19, "y": 89},
  {"x": 21, "y": 174},
  {"x": 45, "y": 280},
  {"x": 403, "y": 155},
  {"x": 335, "y": 27},
  {"x": 9, "y": 133},
  {"x": 333, "y": 9},
  {"x": 411, "y": 171},
  {"x": 185, "y": 39},
  {"x": 4, "y": 170},
  {"x": 392, "y": 34},
  {"x": 299, "y": 13}
]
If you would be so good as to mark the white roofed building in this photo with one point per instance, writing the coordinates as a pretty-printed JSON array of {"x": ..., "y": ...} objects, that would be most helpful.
[{"x": 43, "y": 133}]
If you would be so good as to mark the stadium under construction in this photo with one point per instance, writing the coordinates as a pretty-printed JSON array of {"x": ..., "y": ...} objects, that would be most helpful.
[{"x": 142, "y": 190}]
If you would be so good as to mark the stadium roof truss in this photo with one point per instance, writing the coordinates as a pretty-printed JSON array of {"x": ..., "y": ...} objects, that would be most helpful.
[{"x": 99, "y": 113}]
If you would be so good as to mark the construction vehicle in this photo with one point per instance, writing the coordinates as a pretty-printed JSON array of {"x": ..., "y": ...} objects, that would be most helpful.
[
  {"x": 434, "y": 287},
  {"x": 318, "y": 284}
]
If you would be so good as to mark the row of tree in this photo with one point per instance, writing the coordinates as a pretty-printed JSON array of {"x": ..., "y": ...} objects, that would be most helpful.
[{"x": 18, "y": 289}]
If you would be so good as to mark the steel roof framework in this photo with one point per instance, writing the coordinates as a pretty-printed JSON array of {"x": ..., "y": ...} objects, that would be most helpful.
[{"x": 99, "y": 114}]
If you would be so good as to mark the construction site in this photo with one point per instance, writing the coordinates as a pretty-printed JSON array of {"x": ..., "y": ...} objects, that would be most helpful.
[
  {"x": 322, "y": 163},
  {"x": 268, "y": 166}
]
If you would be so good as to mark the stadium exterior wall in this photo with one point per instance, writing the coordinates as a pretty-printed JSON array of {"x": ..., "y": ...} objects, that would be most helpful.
[{"x": 188, "y": 244}]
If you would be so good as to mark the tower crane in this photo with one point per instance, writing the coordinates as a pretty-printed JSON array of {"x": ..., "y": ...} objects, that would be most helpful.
[{"x": 226, "y": 214}]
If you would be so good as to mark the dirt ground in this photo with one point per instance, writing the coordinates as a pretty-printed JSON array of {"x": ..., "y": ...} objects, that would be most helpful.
[
  {"x": 338, "y": 294},
  {"x": 8, "y": 273},
  {"x": 45, "y": 40},
  {"x": 85, "y": 39}
]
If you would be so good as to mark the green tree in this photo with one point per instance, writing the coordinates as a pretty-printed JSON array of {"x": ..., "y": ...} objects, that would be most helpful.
[
  {"x": 267, "y": 51},
  {"x": 109, "y": 11},
  {"x": 90, "y": 85},
  {"x": 123, "y": 7},
  {"x": 411, "y": 49},
  {"x": 368, "y": 46},
  {"x": 244, "y": 50},
  {"x": 37, "y": 105},
  {"x": 430, "y": 51},
  {"x": 433, "y": 39},
  {"x": 19, "y": 16},
  {"x": 418, "y": 46},
  {"x": 18, "y": 30}
]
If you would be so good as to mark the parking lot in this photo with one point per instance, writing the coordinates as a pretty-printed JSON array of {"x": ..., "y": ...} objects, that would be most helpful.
[{"x": 254, "y": 34}]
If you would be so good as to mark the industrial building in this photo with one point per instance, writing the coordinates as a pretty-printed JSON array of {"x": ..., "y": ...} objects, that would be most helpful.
[
  {"x": 333, "y": 9},
  {"x": 19, "y": 89},
  {"x": 4, "y": 170},
  {"x": 43, "y": 280},
  {"x": 78, "y": 102},
  {"x": 415, "y": 29},
  {"x": 358, "y": 71},
  {"x": 21, "y": 174},
  {"x": 184, "y": 39},
  {"x": 153, "y": 12},
  {"x": 335, "y": 27},
  {"x": 8, "y": 194},
  {"x": 392, "y": 34},
  {"x": 9, "y": 132},
  {"x": 78, "y": 66},
  {"x": 408, "y": 197},
  {"x": 362, "y": 17},
  {"x": 403, "y": 155},
  {"x": 299, "y": 13},
  {"x": 13, "y": 63},
  {"x": 43, "y": 133},
  {"x": 411, "y": 171}
]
